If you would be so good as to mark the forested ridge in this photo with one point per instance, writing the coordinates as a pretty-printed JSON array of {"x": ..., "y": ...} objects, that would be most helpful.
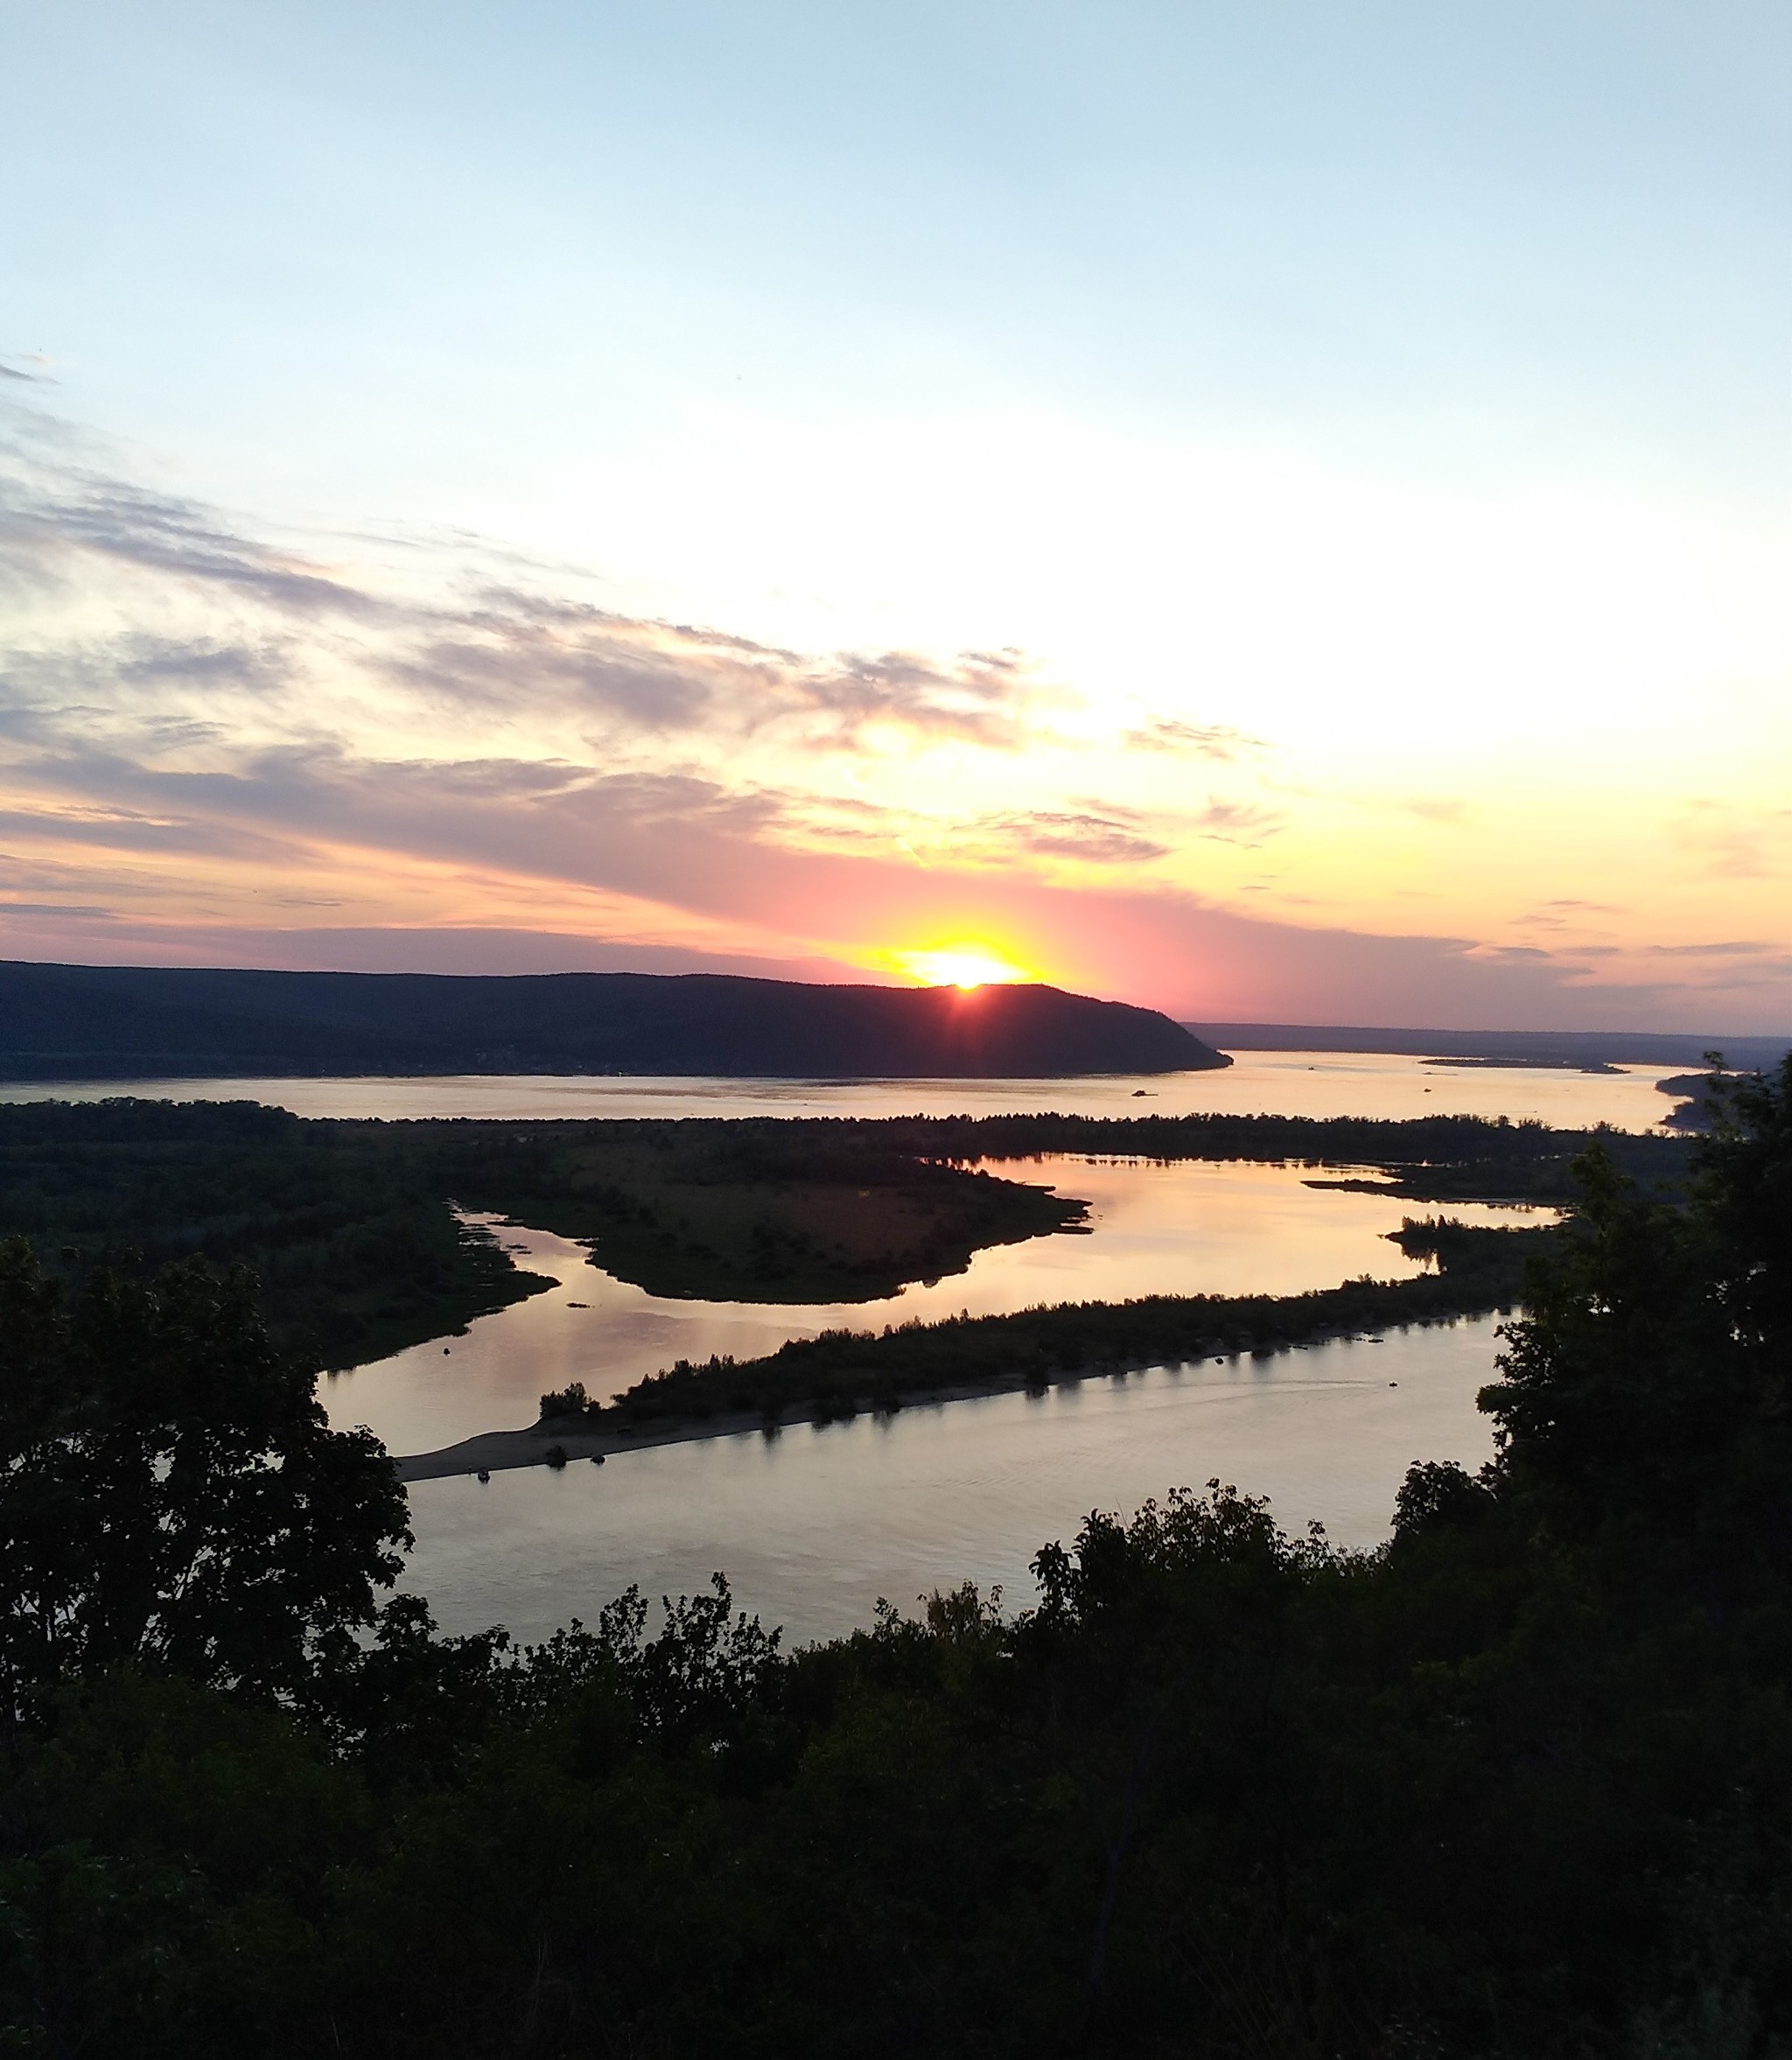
[
  {"x": 101, "y": 1022},
  {"x": 1519, "y": 1783}
]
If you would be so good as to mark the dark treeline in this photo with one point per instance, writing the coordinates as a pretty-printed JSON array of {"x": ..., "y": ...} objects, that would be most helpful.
[
  {"x": 841, "y": 1372},
  {"x": 1433, "y": 1157},
  {"x": 1464, "y": 1158},
  {"x": 353, "y": 1240},
  {"x": 1519, "y": 1783},
  {"x": 350, "y": 1228}
]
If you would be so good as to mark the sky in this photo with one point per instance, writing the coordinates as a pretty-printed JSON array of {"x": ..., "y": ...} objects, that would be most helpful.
[{"x": 1276, "y": 510}]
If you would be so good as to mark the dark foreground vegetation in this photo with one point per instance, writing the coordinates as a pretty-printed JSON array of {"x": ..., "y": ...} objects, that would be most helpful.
[
  {"x": 1519, "y": 1784},
  {"x": 844, "y": 1372}
]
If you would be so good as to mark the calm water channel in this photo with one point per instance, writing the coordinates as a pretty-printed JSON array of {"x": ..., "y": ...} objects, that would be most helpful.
[{"x": 812, "y": 1526}]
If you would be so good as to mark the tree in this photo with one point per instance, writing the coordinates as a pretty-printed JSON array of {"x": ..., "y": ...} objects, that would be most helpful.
[
  {"x": 1650, "y": 1378},
  {"x": 1745, "y": 1174},
  {"x": 171, "y": 1495}
]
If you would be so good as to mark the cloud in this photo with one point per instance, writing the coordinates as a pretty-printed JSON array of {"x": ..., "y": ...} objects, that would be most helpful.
[
  {"x": 156, "y": 533},
  {"x": 1564, "y": 906},
  {"x": 1236, "y": 822},
  {"x": 476, "y": 642},
  {"x": 1212, "y": 740},
  {"x": 60, "y": 910},
  {"x": 1106, "y": 838},
  {"x": 478, "y": 646},
  {"x": 662, "y": 677},
  {"x": 1734, "y": 843},
  {"x": 99, "y": 936},
  {"x": 708, "y": 859}
]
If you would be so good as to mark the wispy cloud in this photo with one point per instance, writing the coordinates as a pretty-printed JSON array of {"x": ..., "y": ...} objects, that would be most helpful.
[
  {"x": 111, "y": 520},
  {"x": 1235, "y": 821},
  {"x": 493, "y": 649},
  {"x": 1733, "y": 843},
  {"x": 1110, "y": 838},
  {"x": 1742, "y": 948},
  {"x": 1211, "y": 740}
]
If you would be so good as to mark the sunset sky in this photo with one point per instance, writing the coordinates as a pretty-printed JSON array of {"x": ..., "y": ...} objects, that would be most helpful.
[{"x": 1277, "y": 511}]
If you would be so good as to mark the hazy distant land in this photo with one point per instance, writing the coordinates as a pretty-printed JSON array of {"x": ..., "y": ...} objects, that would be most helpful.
[{"x": 1577, "y": 1048}]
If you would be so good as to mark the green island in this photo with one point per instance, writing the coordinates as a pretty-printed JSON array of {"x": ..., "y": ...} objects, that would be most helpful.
[
  {"x": 1516, "y": 1782},
  {"x": 845, "y": 1373},
  {"x": 842, "y": 1371}
]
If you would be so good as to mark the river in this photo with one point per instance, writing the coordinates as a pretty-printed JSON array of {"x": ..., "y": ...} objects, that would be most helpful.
[
  {"x": 1278, "y": 1084},
  {"x": 813, "y": 1525},
  {"x": 1185, "y": 1227}
]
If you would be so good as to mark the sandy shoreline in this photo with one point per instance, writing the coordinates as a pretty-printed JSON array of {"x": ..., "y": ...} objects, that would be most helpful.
[{"x": 498, "y": 1450}]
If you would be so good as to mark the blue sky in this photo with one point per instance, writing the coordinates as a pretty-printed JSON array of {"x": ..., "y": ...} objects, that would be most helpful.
[
  {"x": 1448, "y": 239},
  {"x": 1403, "y": 389}
]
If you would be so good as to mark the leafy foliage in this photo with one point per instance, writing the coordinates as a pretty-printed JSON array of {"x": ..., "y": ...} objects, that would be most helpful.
[{"x": 171, "y": 1494}]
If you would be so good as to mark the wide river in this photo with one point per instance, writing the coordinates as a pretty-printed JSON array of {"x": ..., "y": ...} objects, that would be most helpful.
[
  {"x": 1277, "y": 1084},
  {"x": 813, "y": 1525}
]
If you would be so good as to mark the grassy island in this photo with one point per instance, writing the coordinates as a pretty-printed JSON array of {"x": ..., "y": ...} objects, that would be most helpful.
[{"x": 845, "y": 1372}]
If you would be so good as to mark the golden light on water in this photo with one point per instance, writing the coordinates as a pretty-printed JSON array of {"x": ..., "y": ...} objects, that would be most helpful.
[{"x": 961, "y": 965}]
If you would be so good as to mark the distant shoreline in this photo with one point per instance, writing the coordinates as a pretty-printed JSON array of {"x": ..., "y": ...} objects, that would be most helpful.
[{"x": 1568, "y": 1048}]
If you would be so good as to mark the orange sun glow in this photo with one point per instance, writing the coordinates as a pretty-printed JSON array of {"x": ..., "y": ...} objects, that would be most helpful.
[{"x": 961, "y": 965}]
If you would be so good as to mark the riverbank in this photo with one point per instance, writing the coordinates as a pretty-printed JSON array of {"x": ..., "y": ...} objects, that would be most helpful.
[
  {"x": 497, "y": 1452},
  {"x": 841, "y": 1375}
]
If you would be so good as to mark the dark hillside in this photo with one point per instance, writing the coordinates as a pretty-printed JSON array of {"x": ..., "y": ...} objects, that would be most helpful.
[{"x": 70, "y": 1022}]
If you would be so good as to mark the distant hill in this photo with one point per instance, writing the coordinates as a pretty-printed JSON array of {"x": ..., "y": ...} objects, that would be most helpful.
[{"x": 72, "y": 1022}]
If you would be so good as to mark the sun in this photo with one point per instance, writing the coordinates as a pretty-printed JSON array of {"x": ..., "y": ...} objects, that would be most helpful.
[{"x": 964, "y": 966}]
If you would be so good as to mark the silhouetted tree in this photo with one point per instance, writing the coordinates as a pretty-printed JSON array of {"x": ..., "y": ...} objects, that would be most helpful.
[{"x": 171, "y": 1495}]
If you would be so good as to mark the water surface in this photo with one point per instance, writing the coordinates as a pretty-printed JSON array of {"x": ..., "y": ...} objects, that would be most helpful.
[
  {"x": 1280, "y": 1083},
  {"x": 813, "y": 1525},
  {"x": 1188, "y": 1227}
]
